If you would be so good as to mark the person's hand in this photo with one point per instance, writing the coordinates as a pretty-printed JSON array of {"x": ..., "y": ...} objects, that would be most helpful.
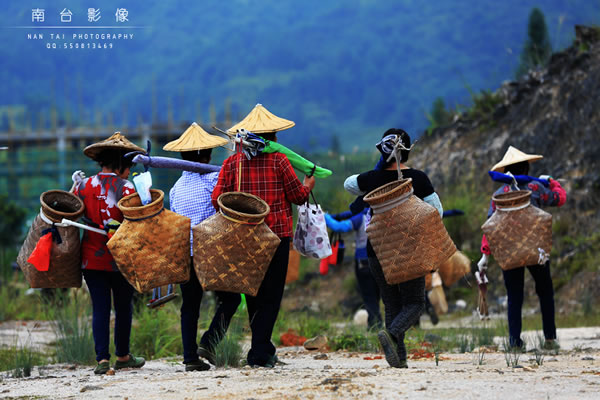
[
  {"x": 546, "y": 177},
  {"x": 483, "y": 262},
  {"x": 78, "y": 176},
  {"x": 309, "y": 181},
  {"x": 482, "y": 265}
]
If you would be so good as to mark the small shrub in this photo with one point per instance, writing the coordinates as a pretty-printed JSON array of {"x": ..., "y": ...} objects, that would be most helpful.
[
  {"x": 512, "y": 354},
  {"x": 355, "y": 339},
  {"x": 539, "y": 357},
  {"x": 483, "y": 336},
  {"x": 20, "y": 360},
  {"x": 310, "y": 326},
  {"x": 228, "y": 352},
  {"x": 465, "y": 344},
  {"x": 25, "y": 360},
  {"x": 75, "y": 343},
  {"x": 480, "y": 356},
  {"x": 484, "y": 104},
  {"x": 156, "y": 333},
  {"x": 18, "y": 306}
]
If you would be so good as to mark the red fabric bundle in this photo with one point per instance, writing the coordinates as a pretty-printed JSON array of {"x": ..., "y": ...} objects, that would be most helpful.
[{"x": 40, "y": 257}]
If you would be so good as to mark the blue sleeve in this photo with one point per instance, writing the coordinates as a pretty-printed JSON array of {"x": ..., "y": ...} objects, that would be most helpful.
[
  {"x": 342, "y": 215},
  {"x": 434, "y": 201},
  {"x": 171, "y": 195},
  {"x": 357, "y": 221},
  {"x": 338, "y": 226}
]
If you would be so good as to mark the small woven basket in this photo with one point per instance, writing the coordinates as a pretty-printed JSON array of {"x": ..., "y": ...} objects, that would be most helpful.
[
  {"x": 65, "y": 258},
  {"x": 407, "y": 234},
  {"x": 234, "y": 247},
  {"x": 454, "y": 268},
  {"x": 152, "y": 245},
  {"x": 518, "y": 233}
]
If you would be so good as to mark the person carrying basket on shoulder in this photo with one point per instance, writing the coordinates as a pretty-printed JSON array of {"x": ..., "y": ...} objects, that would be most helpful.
[
  {"x": 403, "y": 302},
  {"x": 271, "y": 177},
  {"x": 191, "y": 197},
  {"x": 545, "y": 191},
  {"x": 100, "y": 194}
]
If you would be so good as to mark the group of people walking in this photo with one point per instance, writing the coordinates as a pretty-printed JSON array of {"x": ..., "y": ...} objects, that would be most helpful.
[{"x": 271, "y": 177}]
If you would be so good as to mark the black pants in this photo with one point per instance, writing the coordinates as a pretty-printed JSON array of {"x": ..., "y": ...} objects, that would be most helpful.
[
  {"x": 191, "y": 294},
  {"x": 263, "y": 309},
  {"x": 103, "y": 284},
  {"x": 403, "y": 303},
  {"x": 514, "y": 281},
  {"x": 368, "y": 290}
]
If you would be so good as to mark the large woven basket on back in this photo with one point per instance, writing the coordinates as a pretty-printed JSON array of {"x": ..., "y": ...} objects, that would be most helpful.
[
  {"x": 407, "y": 234},
  {"x": 152, "y": 245},
  {"x": 65, "y": 258},
  {"x": 518, "y": 233},
  {"x": 454, "y": 268},
  {"x": 234, "y": 247}
]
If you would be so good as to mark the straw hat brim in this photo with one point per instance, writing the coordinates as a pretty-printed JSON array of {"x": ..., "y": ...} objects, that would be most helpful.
[
  {"x": 195, "y": 138},
  {"x": 514, "y": 156},
  {"x": 115, "y": 142},
  {"x": 261, "y": 120}
]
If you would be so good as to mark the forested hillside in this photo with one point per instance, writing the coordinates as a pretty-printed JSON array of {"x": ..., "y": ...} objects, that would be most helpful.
[{"x": 349, "y": 69}]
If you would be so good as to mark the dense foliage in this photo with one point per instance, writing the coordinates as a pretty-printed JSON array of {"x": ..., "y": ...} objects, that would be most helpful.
[{"x": 350, "y": 69}]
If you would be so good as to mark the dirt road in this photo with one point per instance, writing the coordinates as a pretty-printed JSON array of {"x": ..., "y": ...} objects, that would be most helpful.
[{"x": 572, "y": 374}]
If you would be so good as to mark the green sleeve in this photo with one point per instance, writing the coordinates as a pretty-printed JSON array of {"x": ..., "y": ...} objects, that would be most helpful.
[{"x": 297, "y": 161}]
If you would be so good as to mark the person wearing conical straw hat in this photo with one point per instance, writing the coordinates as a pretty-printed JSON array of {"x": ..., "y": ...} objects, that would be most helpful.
[
  {"x": 516, "y": 163},
  {"x": 100, "y": 194},
  {"x": 271, "y": 177},
  {"x": 190, "y": 197}
]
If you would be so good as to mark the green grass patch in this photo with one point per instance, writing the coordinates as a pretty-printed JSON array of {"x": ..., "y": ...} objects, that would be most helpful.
[
  {"x": 229, "y": 351},
  {"x": 72, "y": 324},
  {"x": 20, "y": 360},
  {"x": 156, "y": 332},
  {"x": 354, "y": 338}
]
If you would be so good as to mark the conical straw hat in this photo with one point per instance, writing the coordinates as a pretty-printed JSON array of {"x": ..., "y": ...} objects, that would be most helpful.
[
  {"x": 116, "y": 141},
  {"x": 261, "y": 120},
  {"x": 195, "y": 138},
  {"x": 513, "y": 156}
]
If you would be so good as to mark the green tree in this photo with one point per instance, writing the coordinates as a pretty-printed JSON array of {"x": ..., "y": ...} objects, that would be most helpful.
[
  {"x": 336, "y": 146},
  {"x": 537, "y": 49},
  {"x": 439, "y": 114},
  {"x": 12, "y": 218}
]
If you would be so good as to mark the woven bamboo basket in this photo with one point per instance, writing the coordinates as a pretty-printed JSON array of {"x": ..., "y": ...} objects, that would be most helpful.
[
  {"x": 293, "y": 272},
  {"x": 65, "y": 258},
  {"x": 152, "y": 245},
  {"x": 518, "y": 233},
  {"x": 234, "y": 247},
  {"x": 428, "y": 285},
  {"x": 407, "y": 234},
  {"x": 454, "y": 268}
]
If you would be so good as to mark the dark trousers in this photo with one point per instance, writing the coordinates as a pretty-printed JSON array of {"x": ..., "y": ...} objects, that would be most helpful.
[
  {"x": 368, "y": 290},
  {"x": 101, "y": 284},
  {"x": 263, "y": 309},
  {"x": 404, "y": 303},
  {"x": 514, "y": 281},
  {"x": 191, "y": 294}
]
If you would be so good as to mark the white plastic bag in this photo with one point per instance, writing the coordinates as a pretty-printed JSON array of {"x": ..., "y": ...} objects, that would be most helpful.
[
  {"x": 143, "y": 183},
  {"x": 311, "y": 238}
]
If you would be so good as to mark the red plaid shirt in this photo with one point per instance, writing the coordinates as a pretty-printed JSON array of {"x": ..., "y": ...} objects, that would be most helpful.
[{"x": 269, "y": 176}]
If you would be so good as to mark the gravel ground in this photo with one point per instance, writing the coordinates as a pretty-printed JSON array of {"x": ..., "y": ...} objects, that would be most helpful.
[{"x": 572, "y": 374}]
